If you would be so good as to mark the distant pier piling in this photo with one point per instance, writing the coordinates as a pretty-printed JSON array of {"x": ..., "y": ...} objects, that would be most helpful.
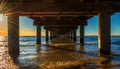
[{"x": 38, "y": 41}]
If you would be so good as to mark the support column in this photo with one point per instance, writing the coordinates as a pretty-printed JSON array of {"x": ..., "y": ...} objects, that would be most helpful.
[
  {"x": 68, "y": 35},
  {"x": 82, "y": 34},
  {"x": 104, "y": 33},
  {"x": 13, "y": 35},
  {"x": 74, "y": 35},
  {"x": 38, "y": 35},
  {"x": 71, "y": 35},
  {"x": 46, "y": 35},
  {"x": 50, "y": 35},
  {"x": 54, "y": 35}
]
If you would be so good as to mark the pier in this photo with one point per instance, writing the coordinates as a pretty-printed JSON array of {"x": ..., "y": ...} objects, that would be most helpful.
[{"x": 61, "y": 17}]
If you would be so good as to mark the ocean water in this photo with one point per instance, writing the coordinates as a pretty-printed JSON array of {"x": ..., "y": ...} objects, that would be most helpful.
[
  {"x": 31, "y": 40},
  {"x": 34, "y": 57},
  {"x": 90, "y": 42}
]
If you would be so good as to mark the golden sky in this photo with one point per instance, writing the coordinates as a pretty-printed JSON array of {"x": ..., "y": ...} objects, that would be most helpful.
[
  {"x": 24, "y": 30},
  {"x": 3, "y": 25}
]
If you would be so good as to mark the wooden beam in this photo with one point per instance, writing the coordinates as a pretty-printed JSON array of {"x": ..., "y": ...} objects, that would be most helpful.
[
  {"x": 64, "y": 27},
  {"x": 53, "y": 14},
  {"x": 93, "y": 7},
  {"x": 56, "y": 23},
  {"x": 62, "y": 22},
  {"x": 59, "y": 29}
]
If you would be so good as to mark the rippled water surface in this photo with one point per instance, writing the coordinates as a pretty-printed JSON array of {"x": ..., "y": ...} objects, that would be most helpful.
[{"x": 62, "y": 57}]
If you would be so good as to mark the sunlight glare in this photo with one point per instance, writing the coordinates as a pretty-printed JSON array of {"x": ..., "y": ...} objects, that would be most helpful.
[{"x": 1, "y": 17}]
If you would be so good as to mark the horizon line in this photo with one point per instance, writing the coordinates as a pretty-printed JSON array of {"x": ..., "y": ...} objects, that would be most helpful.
[{"x": 77, "y": 35}]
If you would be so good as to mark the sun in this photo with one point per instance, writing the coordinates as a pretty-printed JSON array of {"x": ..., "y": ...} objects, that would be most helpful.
[{"x": 1, "y": 17}]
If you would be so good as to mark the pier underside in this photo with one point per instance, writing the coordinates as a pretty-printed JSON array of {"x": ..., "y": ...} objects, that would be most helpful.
[{"x": 60, "y": 17}]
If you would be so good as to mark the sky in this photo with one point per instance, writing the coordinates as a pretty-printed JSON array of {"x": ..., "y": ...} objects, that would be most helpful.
[{"x": 28, "y": 29}]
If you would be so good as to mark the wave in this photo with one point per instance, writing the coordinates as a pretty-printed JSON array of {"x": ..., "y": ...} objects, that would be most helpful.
[
  {"x": 116, "y": 43},
  {"x": 89, "y": 43},
  {"x": 3, "y": 41},
  {"x": 27, "y": 44},
  {"x": 19, "y": 40},
  {"x": 115, "y": 37},
  {"x": 26, "y": 40},
  {"x": 1, "y": 45}
]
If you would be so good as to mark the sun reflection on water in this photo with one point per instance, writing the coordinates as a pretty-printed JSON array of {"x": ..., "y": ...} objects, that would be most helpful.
[
  {"x": 3, "y": 41},
  {"x": 5, "y": 60}
]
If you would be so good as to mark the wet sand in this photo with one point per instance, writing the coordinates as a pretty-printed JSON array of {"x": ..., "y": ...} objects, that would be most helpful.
[
  {"x": 6, "y": 62},
  {"x": 67, "y": 57},
  {"x": 62, "y": 57}
]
